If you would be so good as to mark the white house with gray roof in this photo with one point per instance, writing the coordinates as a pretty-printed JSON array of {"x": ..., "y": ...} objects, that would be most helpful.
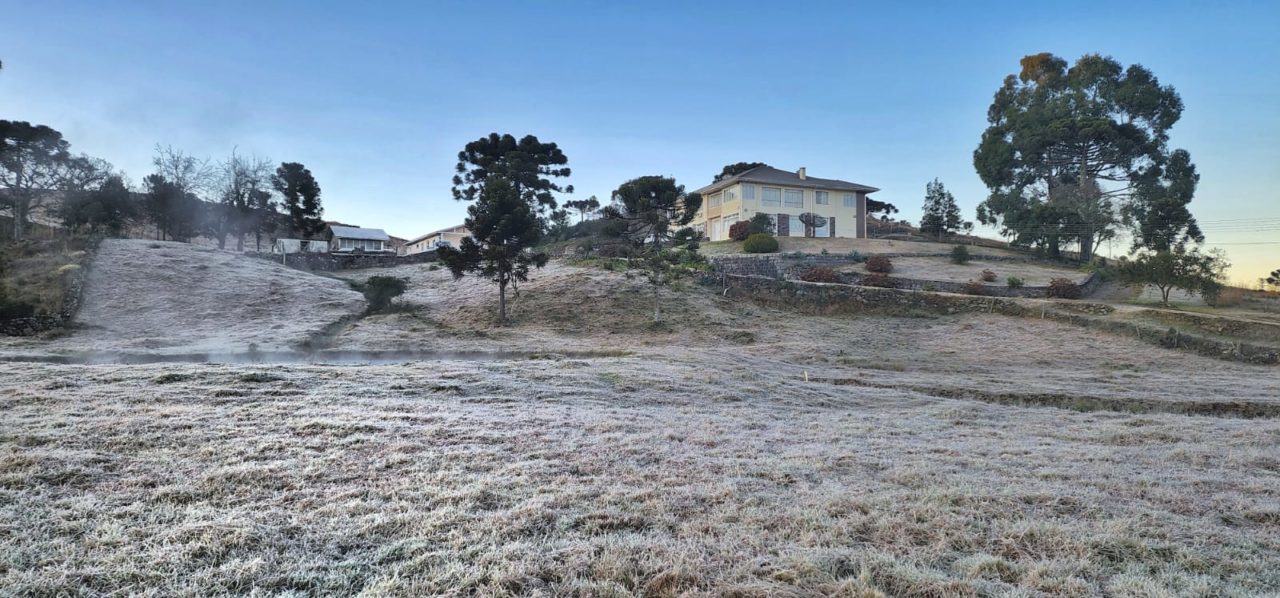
[
  {"x": 784, "y": 196},
  {"x": 350, "y": 239}
]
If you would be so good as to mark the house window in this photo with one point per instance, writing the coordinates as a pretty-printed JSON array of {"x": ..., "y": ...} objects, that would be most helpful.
[
  {"x": 794, "y": 198},
  {"x": 824, "y": 230},
  {"x": 821, "y": 198},
  {"x": 772, "y": 197},
  {"x": 849, "y": 201},
  {"x": 795, "y": 228},
  {"x": 715, "y": 200},
  {"x": 729, "y": 196},
  {"x": 749, "y": 192}
]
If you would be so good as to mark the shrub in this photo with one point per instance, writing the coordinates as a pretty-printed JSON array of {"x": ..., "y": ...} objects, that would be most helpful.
[
  {"x": 879, "y": 264},
  {"x": 614, "y": 249},
  {"x": 856, "y": 257},
  {"x": 760, "y": 223},
  {"x": 380, "y": 290},
  {"x": 820, "y": 274},
  {"x": 740, "y": 230},
  {"x": 1014, "y": 282},
  {"x": 1227, "y": 297},
  {"x": 988, "y": 276},
  {"x": 974, "y": 287},
  {"x": 959, "y": 254},
  {"x": 1063, "y": 288},
  {"x": 10, "y": 309},
  {"x": 760, "y": 243},
  {"x": 878, "y": 279}
]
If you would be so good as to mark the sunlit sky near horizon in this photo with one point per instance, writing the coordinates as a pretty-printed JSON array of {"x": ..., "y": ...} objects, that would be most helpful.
[{"x": 377, "y": 98}]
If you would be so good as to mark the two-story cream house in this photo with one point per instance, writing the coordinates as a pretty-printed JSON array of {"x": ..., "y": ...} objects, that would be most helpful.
[
  {"x": 784, "y": 196},
  {"x": 445, "y": 237}
]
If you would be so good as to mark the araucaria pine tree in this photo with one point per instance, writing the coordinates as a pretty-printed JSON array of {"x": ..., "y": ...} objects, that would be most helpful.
[
  {"x": 941, "y": 214},
  {"x": 504, "y": 229},
  {"x": 301, "y": 194},
  {"x": 654, "y": 212}
]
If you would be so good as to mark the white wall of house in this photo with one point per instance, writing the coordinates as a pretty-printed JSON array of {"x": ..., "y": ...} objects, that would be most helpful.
[{"x": 741, "y": 201}]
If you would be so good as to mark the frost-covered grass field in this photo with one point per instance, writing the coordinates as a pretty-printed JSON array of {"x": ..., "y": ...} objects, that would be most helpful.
[{"x": 735, "y": 450}]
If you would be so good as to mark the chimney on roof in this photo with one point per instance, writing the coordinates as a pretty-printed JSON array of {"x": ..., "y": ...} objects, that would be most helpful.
[{"x": 800, "y": 173}]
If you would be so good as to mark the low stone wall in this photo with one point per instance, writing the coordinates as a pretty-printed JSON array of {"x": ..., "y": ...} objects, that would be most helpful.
[
  {"x": 914, "y": 284},
  {"x": 71, "y": 300},
  {"x": 824, "y": 298},
  {"x": 828, "y": 299},
  {"x": 786, "y": 267},
  {"x": 329, "y": 262}
]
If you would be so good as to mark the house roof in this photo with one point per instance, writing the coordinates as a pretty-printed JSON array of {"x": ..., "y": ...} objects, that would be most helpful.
[
  {"x": 769, "y": 175},
  {"x": 368, "y": 234}
]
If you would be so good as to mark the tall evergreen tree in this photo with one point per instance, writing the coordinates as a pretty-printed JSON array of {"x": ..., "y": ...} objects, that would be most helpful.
[
  {"x": 106, "y": 209},
  {"x": 941, "y": 213},
  {"x": 528, "y": 166},
  {"x": 33, "y": 160},
  {"x": 301, "y": 194},
  {"x": 583, "y": 206},
  {"x": 1064, "y": 145},
  {"x": 174, "y": 212},
  {"x": 654, "y": 211},
  {"x": 504, "y": 228},
  {"x": 736, "y": 169}
]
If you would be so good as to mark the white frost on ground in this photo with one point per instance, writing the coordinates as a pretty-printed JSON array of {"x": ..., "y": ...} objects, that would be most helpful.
[
  {"x": 737, "y": 450},
  {"x": 157, "y": 296}
]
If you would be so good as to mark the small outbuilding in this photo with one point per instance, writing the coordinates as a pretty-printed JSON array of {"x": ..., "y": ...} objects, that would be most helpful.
[{"x": 351, "y": 239}]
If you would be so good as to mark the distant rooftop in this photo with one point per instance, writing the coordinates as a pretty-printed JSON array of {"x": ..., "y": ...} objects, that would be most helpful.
[
  {"x": 352, "y": 232},
  {"x": 769, "y": 175}
]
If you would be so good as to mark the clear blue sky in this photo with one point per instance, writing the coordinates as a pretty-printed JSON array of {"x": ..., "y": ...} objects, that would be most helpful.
[{"x": 377, "y": 98}]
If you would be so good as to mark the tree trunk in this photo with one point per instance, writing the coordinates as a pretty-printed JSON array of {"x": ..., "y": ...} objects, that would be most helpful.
[
  {"x": 1164, "y": 295},
  {"x": 1055, "y": 249},
  {"x": 1086, "y": 246},
  {"x": 502, "y": 302},
  {"x": 240, "y": 242},
  {"x": 657, "y": 305}
]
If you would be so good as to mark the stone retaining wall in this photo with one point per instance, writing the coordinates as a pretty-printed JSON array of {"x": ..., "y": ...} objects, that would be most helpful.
[
  {"x": 71, "y": 300},
  {"x": 785, "y": 267},
  {"x": 825, "y": 299},
  {"x": 329, "y": 262}
]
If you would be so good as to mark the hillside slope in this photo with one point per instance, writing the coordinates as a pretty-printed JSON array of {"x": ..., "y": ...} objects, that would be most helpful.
[{"x": 161, "y": 296}]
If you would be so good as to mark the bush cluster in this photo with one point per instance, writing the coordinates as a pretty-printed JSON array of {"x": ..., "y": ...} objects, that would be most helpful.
[
  {"x": 760, "y": 243},
  {"x": 988, "y": 276},
  {"x": 974, "y": 287},
  {"x": 1014, "y": 282},
  {"x": 380, "y": 290},
  {"x": 878, "y": 279},
  {"x": 959, "y": 254},
  {"x": 1063, "y": 288},
  {"x": 820, "y": 274},
  {"x": 879, "y": 264},
  {"x": 740, "y": 230}
]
